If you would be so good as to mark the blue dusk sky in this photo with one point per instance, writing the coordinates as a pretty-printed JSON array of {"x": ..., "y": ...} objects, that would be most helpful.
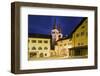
[{"x": 41, "y": 24}]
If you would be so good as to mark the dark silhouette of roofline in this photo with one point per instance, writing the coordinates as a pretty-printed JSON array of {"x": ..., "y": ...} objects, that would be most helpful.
[
  {"x": 78, "y": 25},
  {"x": 35, "y": 35},
  {"x": 44, "y": 36},
  {"x": 70, "y": 35}
]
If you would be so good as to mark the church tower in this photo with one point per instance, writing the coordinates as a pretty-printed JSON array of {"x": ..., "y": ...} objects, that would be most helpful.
[{"x": 56, "y": 34}]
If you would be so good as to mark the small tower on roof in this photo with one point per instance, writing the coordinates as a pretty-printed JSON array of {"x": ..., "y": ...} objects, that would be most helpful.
[
  {"x": 59, "y": 28},
  {"x": 60, "y": 32}
]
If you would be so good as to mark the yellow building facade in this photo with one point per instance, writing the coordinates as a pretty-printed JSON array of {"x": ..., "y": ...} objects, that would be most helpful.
[
  {"x": 76, "y": 45},
  {"x": 73, "y": 46},
  {"x": 80, "y": 40},
  {"x": 38, "y": 46},
  {"x": 62, "y": 47}
]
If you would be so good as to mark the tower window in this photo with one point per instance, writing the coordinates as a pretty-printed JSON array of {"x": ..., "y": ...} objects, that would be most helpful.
[
  {"x": 59, "y": 36},
  {"x": 53, "y": 32}
]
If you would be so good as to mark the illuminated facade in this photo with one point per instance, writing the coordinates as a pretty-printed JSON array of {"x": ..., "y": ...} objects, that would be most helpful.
[
  {"x": 39, "y": 46},
  {"x": 76, "y": 45},
  {"x": 62, "y": 47},
  {"x": 57, "y": 45},
  {"x": 80, "y": 40}
]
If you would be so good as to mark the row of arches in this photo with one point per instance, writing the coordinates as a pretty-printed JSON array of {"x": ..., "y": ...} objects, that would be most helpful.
[{"x": 35, "y": 54}]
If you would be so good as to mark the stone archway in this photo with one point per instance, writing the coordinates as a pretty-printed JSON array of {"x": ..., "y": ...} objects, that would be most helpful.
[{"x": 41, "y": 54}]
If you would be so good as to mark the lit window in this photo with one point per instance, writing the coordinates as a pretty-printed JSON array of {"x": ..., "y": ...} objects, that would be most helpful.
[
  {"x": 77, "y": 35},
  {"x": 64, "y": 44},
  {"x": 86, "y": 33},
  {"x": 45, "y": 41},
  {"x": 45, "y": 48},
  {"x": 82, "y": 43},
  {"x": 41, "y": 54},
  {"x": 40, "y": 48},
  {"x": 69, "y": 43},
  {"x": 78, "y": 43},
  {"x": 45, "y": 54},
  {"x": 33, "y": 41},
  {"x": 28, "y": 40},
  {"x": 82, "y": 33},
  {"x": 39, "y": 41},
  {"x": 60, "y": 45},
  {"x": 33, "y": 48},
  {"x": 83, "y": 26},
  {"x": 33, "y": 54}
]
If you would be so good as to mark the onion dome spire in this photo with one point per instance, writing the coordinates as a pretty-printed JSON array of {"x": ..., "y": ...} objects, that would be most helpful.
[
  {"x": 55, "y": 26},
  {"x": 59, "y": 28}
]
